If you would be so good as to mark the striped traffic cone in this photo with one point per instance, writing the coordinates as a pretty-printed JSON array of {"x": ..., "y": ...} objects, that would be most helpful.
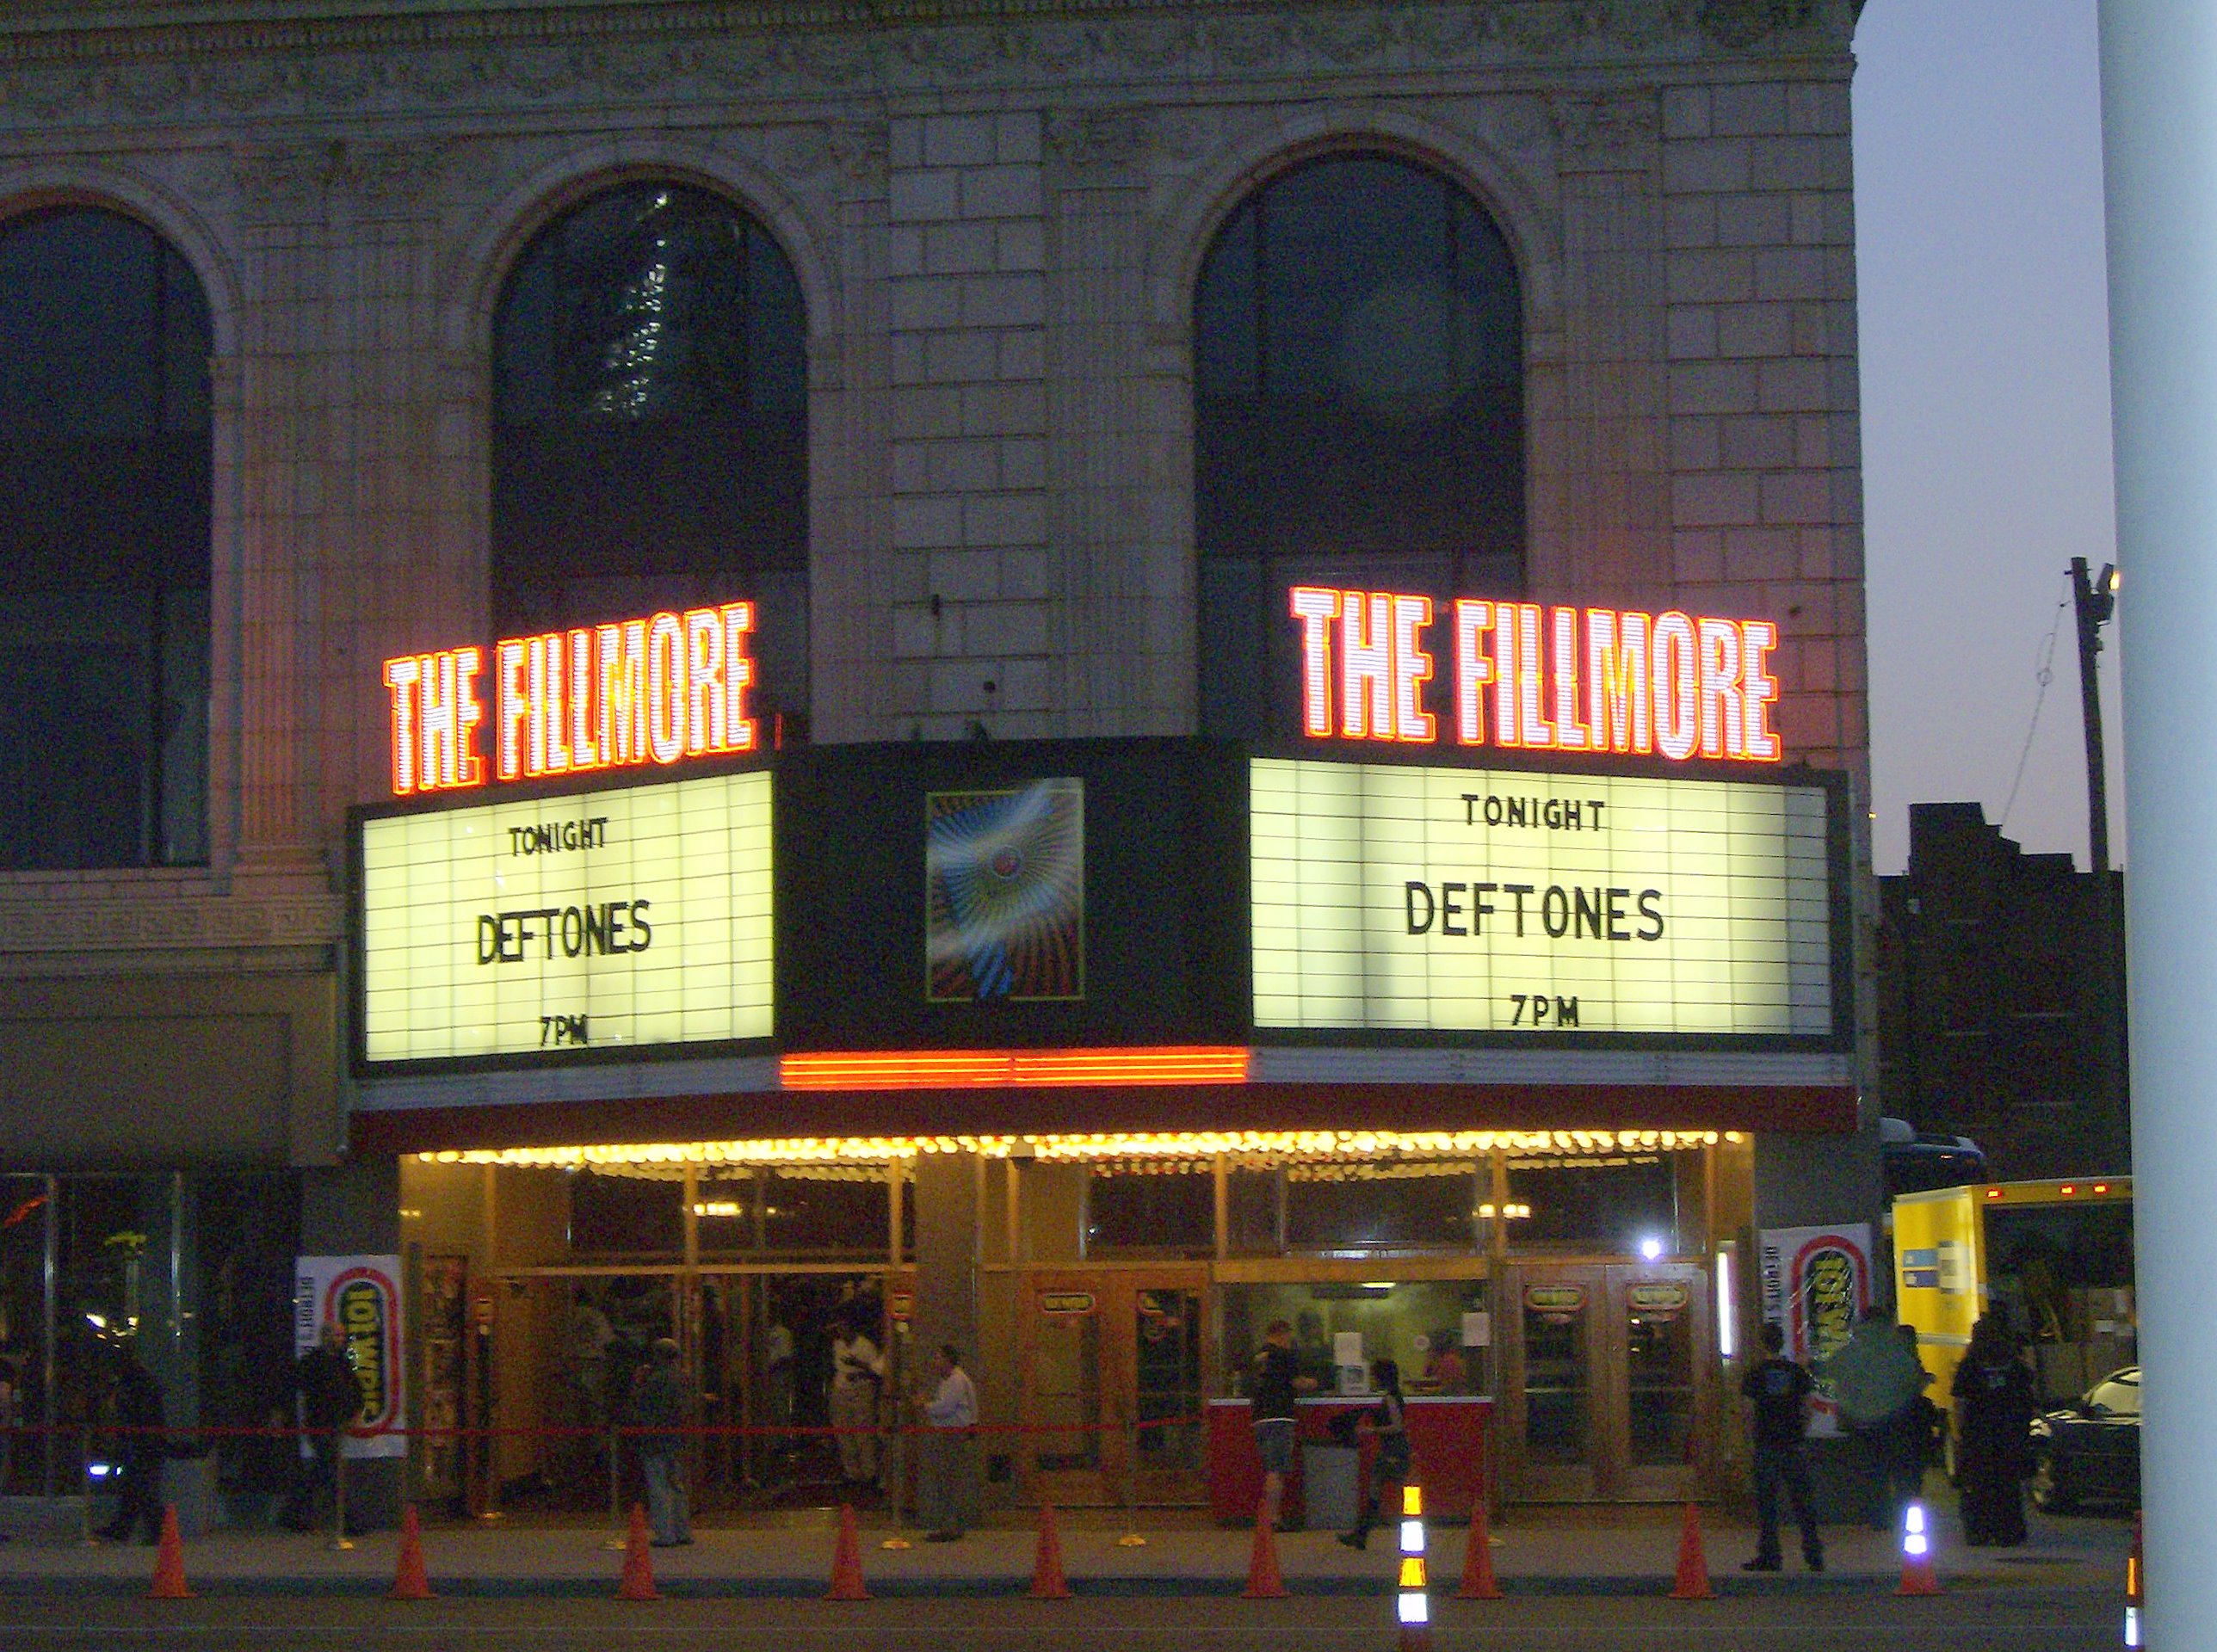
[{"x": 1412, "y": 1605}]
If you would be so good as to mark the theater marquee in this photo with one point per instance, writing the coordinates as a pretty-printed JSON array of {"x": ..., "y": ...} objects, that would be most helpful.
[
  {"x": 1417, "y": 898},
  {"x": 612, "y": 919}
]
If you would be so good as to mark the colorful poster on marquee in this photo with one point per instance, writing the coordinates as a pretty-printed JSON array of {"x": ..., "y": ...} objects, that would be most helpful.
[
  {"x": 1816, "y": 1284},
  {"x": 361, "y": 1294},
  {"x": 1005, "y": 893}
]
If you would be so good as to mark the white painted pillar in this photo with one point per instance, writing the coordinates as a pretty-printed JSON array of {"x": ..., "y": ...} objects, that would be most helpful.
[{"x": 2160, "y": 122}]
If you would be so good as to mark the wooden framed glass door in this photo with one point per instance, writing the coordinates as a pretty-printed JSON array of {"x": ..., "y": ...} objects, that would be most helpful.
[
  {"x": 1552, "y": 1364},
  {"x": 1660, "y": 1383},
  {"x": 1112, "y": 1365},
  {"x": 1608, "y": 1390}
]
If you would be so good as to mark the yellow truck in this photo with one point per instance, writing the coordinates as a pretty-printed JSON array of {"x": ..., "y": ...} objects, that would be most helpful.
[{"x": 2054, "y": 1257}]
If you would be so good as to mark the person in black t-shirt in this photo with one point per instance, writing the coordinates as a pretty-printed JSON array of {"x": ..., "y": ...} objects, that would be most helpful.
[
  {"x": 1778, "y": 1391},
  {"x": 1275, "y": 1381}
]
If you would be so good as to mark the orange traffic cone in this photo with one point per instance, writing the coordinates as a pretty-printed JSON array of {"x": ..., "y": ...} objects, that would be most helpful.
[
  {"x": 409, "y": 1582},
  {"x": 169, "y": 1561},
  {"x": 1047, "y": 1582},
  {"x": 1916, "y": 1576},
  {"x": 1478, "y": 1581},
  {"x": 1693, "y": 1582},
  {"x": 847, "y": 1560},
  {"x": 1264, "y": 1580},
  {"x": 639, "y": 1566}
]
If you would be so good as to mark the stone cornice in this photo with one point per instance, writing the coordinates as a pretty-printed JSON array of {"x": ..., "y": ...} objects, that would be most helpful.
[{"x": 152, "y": 62}]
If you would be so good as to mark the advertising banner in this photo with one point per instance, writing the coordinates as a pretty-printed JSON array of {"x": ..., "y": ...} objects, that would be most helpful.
[
  {"x": 361, "y": 1295},
  {"x": 1004, "y": 882},
  {"x": 1816, "y": 1284},
  {"x": 613, "y": 919},
  {"x": 1398, "y": 897}
]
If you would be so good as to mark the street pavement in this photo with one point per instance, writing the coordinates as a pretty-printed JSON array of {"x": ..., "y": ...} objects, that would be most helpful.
[{"x": 2016, "y": 1620}]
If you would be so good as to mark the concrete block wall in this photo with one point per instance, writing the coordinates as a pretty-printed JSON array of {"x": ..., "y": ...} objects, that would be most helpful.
[
  {"x": 974, "y": 623},
  {"x": 1765, "y": 487}
]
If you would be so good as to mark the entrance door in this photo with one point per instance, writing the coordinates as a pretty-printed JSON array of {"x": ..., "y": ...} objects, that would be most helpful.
[
  {"x": 1606, "y": 1382},
  {"x": 1113, "y": 1366}
]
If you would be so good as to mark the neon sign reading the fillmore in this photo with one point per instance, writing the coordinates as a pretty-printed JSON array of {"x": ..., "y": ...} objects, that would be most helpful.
[
  {"x": 1558, "y": 679},
  {"x": 653, "y": 690}
]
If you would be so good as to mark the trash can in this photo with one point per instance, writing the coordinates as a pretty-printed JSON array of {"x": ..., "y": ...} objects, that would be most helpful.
[{"x": 1332, "y": 1487}]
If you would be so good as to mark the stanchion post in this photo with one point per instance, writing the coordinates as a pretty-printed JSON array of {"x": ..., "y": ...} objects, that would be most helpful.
[
  {"x": 620, "y": 1539},
  {"x": 340, "y": 1542},
  {"x": 897, "y": 1474},
  {"x": 1131, "y": 1538},
  {"x": 84, "y": 1486}
]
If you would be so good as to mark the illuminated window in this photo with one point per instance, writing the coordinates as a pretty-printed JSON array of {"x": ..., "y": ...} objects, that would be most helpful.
[
  {"x": 1359, "y": 418},
  {"x": 105, "y": 462},
  {"x": 650, "y": 441}
]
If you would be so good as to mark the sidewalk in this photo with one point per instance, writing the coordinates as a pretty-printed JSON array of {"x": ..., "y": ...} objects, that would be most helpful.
[{"x": 1560, "y": 1551}]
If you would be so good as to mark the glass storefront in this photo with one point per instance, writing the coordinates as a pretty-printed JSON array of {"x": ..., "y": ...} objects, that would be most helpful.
[
  {"x": 1121, "y": 1292},
  {"x": 192, "y": 1274}
]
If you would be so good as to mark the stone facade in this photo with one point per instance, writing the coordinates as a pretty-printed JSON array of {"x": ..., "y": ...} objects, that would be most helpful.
[{"x": 996, "y": 209}]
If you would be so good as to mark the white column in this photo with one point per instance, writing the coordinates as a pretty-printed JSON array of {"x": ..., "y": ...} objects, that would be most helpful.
[{"x": 2160, "y": 119}]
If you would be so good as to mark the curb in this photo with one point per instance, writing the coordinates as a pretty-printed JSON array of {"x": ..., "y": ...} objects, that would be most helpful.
[{"x": 992, "y": 1587}]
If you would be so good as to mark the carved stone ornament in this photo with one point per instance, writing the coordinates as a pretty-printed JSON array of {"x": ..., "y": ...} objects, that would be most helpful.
[
  {"x": 293, "y": 179},
  {"x": 1101, "y": 140},
  {"x": 1610, "y": 123}
]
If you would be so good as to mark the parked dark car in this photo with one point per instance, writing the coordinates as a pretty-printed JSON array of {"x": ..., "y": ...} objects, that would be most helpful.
[{"x": 2090, "y": 1452}]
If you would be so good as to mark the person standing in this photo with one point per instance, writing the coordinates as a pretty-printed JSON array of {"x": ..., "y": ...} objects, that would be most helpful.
[
  {"x": 661, "y": 1405},
  {"x": 1389, "y": 1464},
  {"x": 1277, "y": 1381},
  {"x": 857, "y": 1368},
  {"x": 949, "y": 1415},
  {"x": 330, "y": 1398},
  {"x": 1778, "y": 1389},
  {"x": 1994, "y": 1408},
  {"x": 11, "y": 1416},
  {"x": 1874, "y": 1380},
  {"x": 141, "y": 1417}
]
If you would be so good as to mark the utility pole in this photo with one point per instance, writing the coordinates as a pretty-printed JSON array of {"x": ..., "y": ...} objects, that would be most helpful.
[{"x": 2095, "y": 600}]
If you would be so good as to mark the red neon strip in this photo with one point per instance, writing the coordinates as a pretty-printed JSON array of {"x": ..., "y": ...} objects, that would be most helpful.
[{"x": 935, "y": 1069}]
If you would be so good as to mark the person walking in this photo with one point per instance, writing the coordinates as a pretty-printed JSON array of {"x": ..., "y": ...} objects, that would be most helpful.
[
  {"x": 857, "y": 1369},
  {"x": 1874, "y": 1380},
  {"x": 1778, "y": 1391},
  {"x": 139, "y": 1417},
  {"x": 661, "y": 1405},
  {"x": 947, "y": 1477},
  {"x": 1389, "y": 1463},
  {"x": 1994, "y": 1408},
  {"x": 1275, "y": 1384},
  {"x": 329, "y": 1397}
]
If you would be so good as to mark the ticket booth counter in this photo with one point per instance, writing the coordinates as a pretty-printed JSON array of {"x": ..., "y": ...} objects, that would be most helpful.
[{"x": 1448, "y": 1440}]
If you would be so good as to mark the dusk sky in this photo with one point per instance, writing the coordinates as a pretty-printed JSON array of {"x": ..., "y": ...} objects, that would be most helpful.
[{"x": 1986, "y": 406}]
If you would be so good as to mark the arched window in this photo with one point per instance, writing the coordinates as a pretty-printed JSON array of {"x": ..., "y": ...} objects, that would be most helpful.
[
  {"x": 106, "y": 459},
  {"x": 650, "y": 428},
  {"x": 1358, "y": 415}
]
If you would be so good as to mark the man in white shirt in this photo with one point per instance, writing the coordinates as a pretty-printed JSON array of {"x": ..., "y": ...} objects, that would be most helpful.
[
  {"x": 856, "y": 1370},
  {"x": 949, "y": 1478}
]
